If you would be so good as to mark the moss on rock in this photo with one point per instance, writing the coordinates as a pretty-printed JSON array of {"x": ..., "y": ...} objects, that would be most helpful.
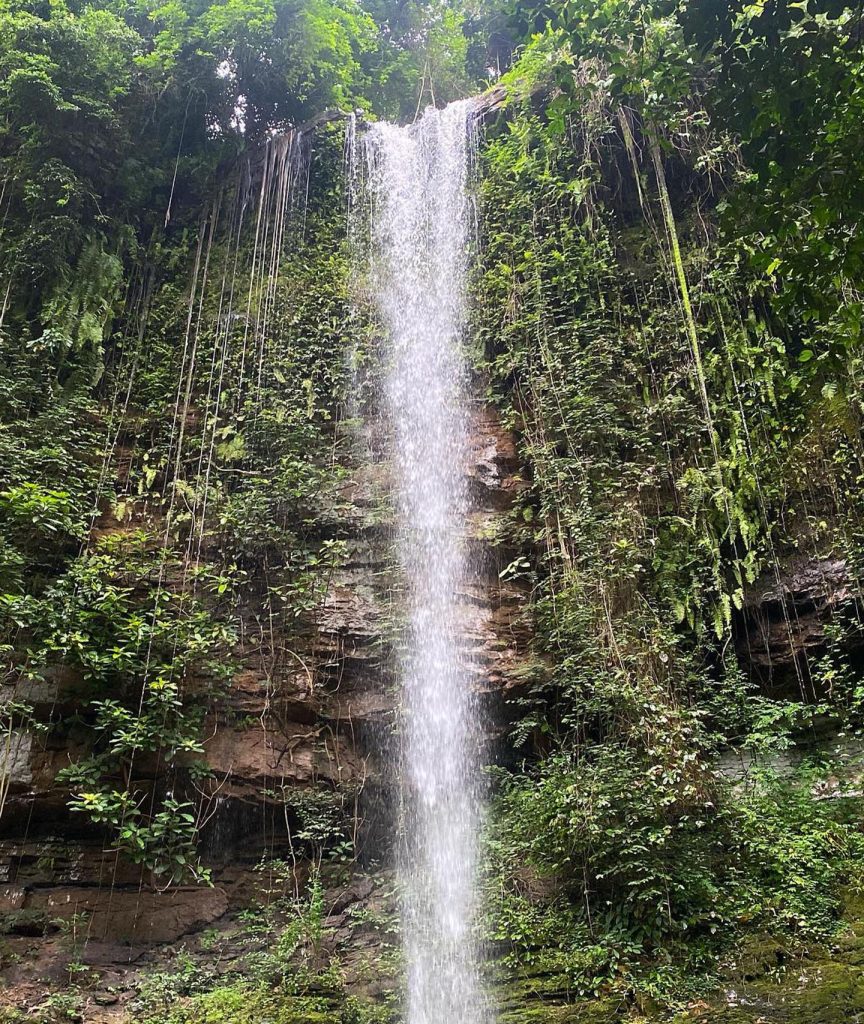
[{"x": 242, "y": 1004}]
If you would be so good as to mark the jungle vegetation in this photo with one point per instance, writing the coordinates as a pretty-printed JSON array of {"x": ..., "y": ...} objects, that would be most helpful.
[{"x": 667, "y": 310}]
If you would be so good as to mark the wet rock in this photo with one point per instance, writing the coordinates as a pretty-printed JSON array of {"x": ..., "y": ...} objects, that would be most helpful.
[
  {"x": 783, "y": 622},
  {"x": 266, "y": 755},
  {"x": 370, "y": 704},
  {"x": 352, "y": 607},
  {"x": 493, "y": 461},
  {"x": 357, "y": 890},
  {"x": 290, "y": 694},
  {"x": 133, "y": 916},
  {"x": 15, "y": 771},
  {"x": 11, "y": 899},
  {"x": 112, "y": 954}
]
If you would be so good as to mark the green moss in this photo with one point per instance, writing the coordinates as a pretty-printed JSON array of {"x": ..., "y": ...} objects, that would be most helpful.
[
  {"x": 830, "y": 993},
  {"x": 581, "y": 1011},
  {"x": 547, "y": 1014},
  {"x": 850, "y": 941},
  {"x": 242, "y": 1004},
  {"x": 754, "y": 957},
  {"x": 538, "y": 997},
  {"x": 722, "y": 1015},
  {"x": 528, "y": 985},
  {"x": 822, "y": 986}
]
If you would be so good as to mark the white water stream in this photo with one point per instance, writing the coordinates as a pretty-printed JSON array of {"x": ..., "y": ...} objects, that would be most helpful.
[{"x": 420, "y": 238}]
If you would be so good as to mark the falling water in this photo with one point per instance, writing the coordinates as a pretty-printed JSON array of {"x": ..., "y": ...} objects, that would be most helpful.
[{"x": 420, "y": 234}]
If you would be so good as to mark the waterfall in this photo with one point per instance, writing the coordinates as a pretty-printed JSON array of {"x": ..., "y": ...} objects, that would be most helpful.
[{"x": 420, "y": 218}]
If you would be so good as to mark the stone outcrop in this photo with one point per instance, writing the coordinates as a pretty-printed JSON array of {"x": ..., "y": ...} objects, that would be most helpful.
[
  {"x": 130, "y": 916},
  {"x": 782, "y": 626}
]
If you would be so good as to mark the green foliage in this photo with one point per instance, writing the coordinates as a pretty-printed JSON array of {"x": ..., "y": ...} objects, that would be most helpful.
[
  {"x": 431, "y": 52},
  {"x": 295, "y": 958},
  {"x": 363, "y": 1011},
  {"x": 114, "y": 121},
  {"x": 33, "y": 514},
  {"x": 689, "y": 408},
  {"x": 640, "y": 872},
  {"x": 323, "y": 826},
  {"x": 141, "y": 646},
  {"x": 126, "y": 582}
]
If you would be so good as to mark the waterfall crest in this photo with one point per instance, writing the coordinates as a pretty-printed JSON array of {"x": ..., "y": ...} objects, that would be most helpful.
[{"x": 420, "y": 231}]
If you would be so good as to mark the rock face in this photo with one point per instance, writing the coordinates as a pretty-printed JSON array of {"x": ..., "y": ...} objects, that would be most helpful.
[
  {"x": 782, "y": 626},
  {"x": 312, "y": 714},
  {"x": 128, "y": 916}
]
